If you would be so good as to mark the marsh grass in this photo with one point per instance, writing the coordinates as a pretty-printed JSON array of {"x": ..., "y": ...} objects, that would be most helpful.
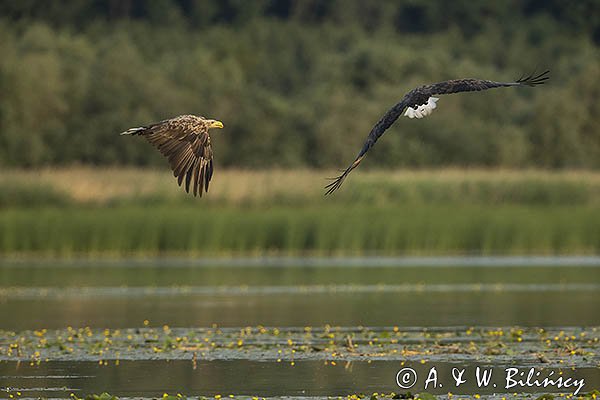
[
  {"x": 110, "y": 186},
  {"x": 128, "y": 212},
  {"x": 194, "y": 231}
]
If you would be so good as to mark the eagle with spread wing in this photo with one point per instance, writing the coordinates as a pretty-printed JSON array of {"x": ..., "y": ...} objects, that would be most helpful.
[
  {"x": 185, "y": 141},
  {"x": 420, "y": 102}
]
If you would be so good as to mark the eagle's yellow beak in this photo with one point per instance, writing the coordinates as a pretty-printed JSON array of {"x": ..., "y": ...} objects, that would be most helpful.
[{"x": 216, "y": 124}]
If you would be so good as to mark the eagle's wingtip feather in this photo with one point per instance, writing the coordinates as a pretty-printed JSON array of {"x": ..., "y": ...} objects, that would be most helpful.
[{"x": 534, "y": 79}]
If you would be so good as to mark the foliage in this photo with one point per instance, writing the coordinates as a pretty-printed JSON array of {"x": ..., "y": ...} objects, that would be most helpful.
[
  {"x": 102, "y": 396},
  {"x": 298, "y": 82},
  {"x": 359, "y": 230},
  {"x": 100, "y": 187},
  {"x": 83, "y": 211}
]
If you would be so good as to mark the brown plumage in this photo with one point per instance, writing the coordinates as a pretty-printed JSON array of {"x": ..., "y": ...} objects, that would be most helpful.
[
  {"x": 422, "y": 97},
  {"x": 185, "y": 142}
]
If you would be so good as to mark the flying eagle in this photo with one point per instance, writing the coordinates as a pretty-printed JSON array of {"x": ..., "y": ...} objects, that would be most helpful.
[
  {"x": 185, "y": 141},
  {"x": 419, "y": 103}
]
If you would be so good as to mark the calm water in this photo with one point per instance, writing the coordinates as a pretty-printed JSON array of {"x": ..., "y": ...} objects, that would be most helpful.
[
  {"x": 182, "y": 295},
  {"x": 118, "y": 296},
  {"x": 304, "y": 379}
]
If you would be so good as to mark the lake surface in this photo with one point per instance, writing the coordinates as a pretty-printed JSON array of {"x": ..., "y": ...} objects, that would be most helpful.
[
  {"x": 307, "y": 379},
  {"x": 409, "y": 294}
]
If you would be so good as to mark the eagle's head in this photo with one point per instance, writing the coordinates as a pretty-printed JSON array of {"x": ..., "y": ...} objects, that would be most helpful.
[{"x": 213, "y": 123}]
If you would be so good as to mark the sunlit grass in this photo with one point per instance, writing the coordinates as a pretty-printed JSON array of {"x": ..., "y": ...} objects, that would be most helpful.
[
  {"x": 84, "y": 185},
  {"x": 124, "y": 212}
]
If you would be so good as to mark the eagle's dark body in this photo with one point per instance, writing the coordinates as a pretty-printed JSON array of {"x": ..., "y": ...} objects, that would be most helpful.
[
  {"x": 185, "y": 142},
  {"x": 419, "y": 97}
]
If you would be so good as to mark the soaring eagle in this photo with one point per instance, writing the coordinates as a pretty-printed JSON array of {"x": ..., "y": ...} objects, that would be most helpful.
[
  {"x": 185, "y": 141},
  {"x": 419, "y": 103}
]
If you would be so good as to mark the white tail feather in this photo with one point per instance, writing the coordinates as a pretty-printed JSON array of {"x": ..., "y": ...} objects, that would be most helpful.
[
  {"x": 423, "y": 110},
  {"x": 132, "y": 131}
]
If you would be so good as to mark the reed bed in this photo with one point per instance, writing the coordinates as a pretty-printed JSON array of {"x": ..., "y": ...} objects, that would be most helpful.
[
  {"x": 130, "y": 212},
  {"x": 198, "y": 231}
]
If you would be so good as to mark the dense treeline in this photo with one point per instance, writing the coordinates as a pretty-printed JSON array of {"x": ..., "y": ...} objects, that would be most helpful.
[{"x": 298, "y": 83}]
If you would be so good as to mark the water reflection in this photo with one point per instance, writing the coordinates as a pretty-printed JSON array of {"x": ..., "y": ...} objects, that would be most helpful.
[
  {"x": 117, "y": 297},
  {"x": 269, "y": 379},
  {"x": 184, "y": 295}
]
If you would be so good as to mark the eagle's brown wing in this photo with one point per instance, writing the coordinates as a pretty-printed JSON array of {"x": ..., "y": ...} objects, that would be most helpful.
[
  {"x": 380, "y": 127},
  {"x": 419, "y": 96},
  {"x": 473, "y": 85},
  {"x": 186, "y": 144}
]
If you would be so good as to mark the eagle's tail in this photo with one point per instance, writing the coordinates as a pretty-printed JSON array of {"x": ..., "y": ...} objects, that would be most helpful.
[
  {"x": 134, "y": 131},
  {"x": 533, "y": 79}
]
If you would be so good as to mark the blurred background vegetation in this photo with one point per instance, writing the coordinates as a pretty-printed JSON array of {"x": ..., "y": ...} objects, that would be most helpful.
[{"x": 298, "y": 83}]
